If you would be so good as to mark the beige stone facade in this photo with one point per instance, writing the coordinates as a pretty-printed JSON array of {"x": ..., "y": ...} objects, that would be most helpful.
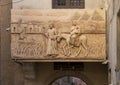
[{"x": 27, "y": 73}]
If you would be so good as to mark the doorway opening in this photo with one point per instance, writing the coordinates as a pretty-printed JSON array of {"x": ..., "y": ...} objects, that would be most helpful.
[{"x": 68, "y": 80}]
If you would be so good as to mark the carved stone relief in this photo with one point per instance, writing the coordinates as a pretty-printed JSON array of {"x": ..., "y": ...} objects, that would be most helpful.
[{"x": 58, "y": 34}]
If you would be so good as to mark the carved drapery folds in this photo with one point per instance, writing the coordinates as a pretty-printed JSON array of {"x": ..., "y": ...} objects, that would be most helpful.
[{"x": 58, "y": 34}]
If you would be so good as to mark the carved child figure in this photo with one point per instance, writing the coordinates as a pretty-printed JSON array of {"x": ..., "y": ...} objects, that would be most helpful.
[{"x": 74, "y": 33}]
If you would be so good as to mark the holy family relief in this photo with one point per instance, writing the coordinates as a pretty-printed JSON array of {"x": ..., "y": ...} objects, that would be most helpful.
[{"x": 64, "y": 34}]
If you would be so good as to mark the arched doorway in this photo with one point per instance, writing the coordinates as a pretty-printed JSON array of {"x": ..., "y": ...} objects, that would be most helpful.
[{"x": 68, "y": 80}]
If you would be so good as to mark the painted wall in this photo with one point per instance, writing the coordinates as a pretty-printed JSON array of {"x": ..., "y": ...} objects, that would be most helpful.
[{"x": 47, "y": 4}]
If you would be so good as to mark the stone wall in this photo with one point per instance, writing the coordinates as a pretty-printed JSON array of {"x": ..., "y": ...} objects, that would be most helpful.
[
  {"x": 113, "y": 30},
  {"x": 12, "y": 73},
  {"x": 45, "y": 74}
]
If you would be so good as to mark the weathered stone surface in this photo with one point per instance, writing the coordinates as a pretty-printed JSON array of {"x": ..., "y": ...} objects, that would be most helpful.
[{"x": 58, "y": 34}]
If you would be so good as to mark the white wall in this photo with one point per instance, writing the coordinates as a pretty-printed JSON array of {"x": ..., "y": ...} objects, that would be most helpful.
[
  {"x": 92, "y": 3},
  {"x": 33, "y": 4},
  {"x": 47, "y": 4}
]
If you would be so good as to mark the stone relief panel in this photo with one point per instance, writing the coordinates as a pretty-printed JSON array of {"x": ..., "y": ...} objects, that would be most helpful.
[{"x": 58, "y": 34}]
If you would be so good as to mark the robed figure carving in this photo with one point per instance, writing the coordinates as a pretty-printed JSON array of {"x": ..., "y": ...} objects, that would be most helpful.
[{"x": 52, "y": 42}]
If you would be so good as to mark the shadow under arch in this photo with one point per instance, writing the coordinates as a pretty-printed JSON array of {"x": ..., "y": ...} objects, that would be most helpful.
[{"x": 61, "y": 74}]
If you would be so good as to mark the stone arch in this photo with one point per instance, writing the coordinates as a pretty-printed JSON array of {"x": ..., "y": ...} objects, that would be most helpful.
[{"x": 58, "y": 75}]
